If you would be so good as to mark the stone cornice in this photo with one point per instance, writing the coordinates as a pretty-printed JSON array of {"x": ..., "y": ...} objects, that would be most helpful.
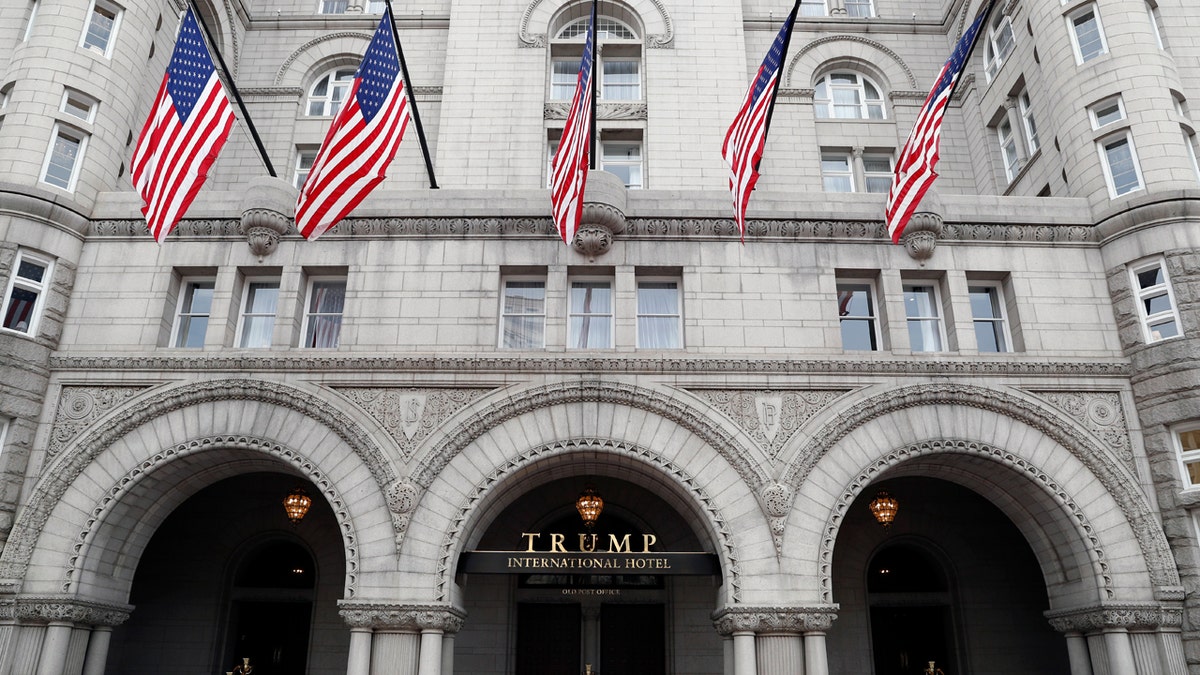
[
  {"x": 47, "y": 609},
  {"x": 612, "y": 363},
  {"x": 415, "y": 618},
  {"x": 698, "y": 229},
  {"x": 1115, "y": 615},
  {"x": 774, "y": 619}
]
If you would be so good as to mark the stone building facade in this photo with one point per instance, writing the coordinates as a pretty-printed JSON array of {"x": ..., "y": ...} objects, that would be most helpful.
[{"x": 444, "y": 378}]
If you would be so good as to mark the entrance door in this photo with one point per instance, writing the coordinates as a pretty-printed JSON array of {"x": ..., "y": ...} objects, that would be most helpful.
[
  {"x": 632, "y": 640},
  {"x": 548, "y": 639},
  {"x": 273, "y": 635},
  {"x": 906, "y": 639}
]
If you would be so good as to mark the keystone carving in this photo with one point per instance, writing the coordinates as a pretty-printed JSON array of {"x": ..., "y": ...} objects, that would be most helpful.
[
  {"x": 774, "y": 619},
  {"x": 414, "y": 618}
]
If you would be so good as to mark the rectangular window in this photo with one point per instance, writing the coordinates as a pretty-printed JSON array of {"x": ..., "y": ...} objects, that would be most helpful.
[
  {"x": 1121, "y": 170},
  {"x": 1087, "y": 34},
  {"x": 63, "y": 157},
  {"x": 812, "y": 8},
  {"x": 304, "y": 161},
  {"x": 26, "y": 293},
  {"x": 921, "y": 304},
  {"x": 333, "y": 6},
  {"x": 375, "y": 6},
  {"x": 987, "y": 312},
  {"x": 100, "y": 33},
  {"x": 564, "y": 75},
  {"x": 620, "y": 80},
  {"x": 590, "y": 314},
  {"x": 1155, "y": 301},
  {"x": 191, "y": 317},
  {"x": 1008, "y": 150},
  {"x": 623, "y": 159},
  {"x": 1189, "y": 143},
  {"x": 1031, "y": 133},
  {"x": 659, "y": 319},
  {"x": 860, "y": 8},
  {"x": 326, "y": 299},
  {"x": 1106, "y": 112},
  {"x": 857, "y": 315},
  {"x": 78, "y": 105},
  {"x": 260, "y": 301},
  {"x": 837, "y": 174},
  {"x": 1188, "y": 448},
  {"x": 877, "y": 170},
  {"x": 523, "y": 314}
]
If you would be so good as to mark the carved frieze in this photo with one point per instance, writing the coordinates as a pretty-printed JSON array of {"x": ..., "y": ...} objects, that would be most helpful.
[
  {"x": 47, "y": 609},
  {"x": 415, "y": 618},
  {"x": 79, "y": 406},
  {"x": 771, "y": 418},
  {"x": 409, "y": 415},
  {"x": 1100, "y": 412},
  {"x": 1115, "y": 615},
  {"x": 760, "y": 620}
]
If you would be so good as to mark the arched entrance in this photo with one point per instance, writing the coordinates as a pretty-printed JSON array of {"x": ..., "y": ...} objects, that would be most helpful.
[
  {"x": 227, "y": 576},
  {"x": 627, "y": 618},
  {"x": 952, "y": 580}
]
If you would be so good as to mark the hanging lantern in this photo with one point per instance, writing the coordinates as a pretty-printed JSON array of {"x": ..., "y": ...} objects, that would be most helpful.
[
  {"x": 884, "y": 508},
  {"x": 296, "y": 504},
  {"x": 589, "y": 506}
]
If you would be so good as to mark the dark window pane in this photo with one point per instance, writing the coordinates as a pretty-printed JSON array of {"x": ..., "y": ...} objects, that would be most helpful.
[{"x": 858, "y": 334}]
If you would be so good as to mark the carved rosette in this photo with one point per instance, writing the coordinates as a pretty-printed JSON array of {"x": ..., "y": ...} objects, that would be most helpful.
[
  {"x": 266, "y": 213},
  {"x": 1100, "y": 413},
  {"x": 603, "y": 214},
  {"x": 402, "y": 499},
  {"x": 777, "y": 501},
  {"x": 415, "y": 618},
  {"x": 762, "y": 620},
  {"x": 78, "y": 407},
  {"x": 1130, "y": 616},
  {"x": 57, "y": 609}
]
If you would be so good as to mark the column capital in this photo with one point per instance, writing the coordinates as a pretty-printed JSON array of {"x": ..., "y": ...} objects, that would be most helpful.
[
  {"x": 416, "y": 618},
  {"x": 730, "y": 620},
  {"x": 1129, "y": 615},
  {"x": 45, "y": 609}
]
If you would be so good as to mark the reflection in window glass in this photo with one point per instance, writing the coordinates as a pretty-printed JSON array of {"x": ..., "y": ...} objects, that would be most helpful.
[
  {"x": 856, "y": 313},
  {"x": 590, "y": 321}
]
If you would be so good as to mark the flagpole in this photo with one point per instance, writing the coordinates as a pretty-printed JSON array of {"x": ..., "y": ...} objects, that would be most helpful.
[
  {"x": 595, "y": 57},
  {"x": 970, "y": 50},
  {"x": 412, "y": 99},
  {"x": 782, "y": 62},
  {"x": 237, "y": 96}
]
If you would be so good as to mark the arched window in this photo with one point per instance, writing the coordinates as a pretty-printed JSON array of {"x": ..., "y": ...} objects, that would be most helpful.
[
  {"x": 328, "y": 92},
  {"x": 607, "y": 28},
  {"x": 1000, "y": 43},
  {"x": 846, "y": 95},
  {"x": 619, "y": 70}
]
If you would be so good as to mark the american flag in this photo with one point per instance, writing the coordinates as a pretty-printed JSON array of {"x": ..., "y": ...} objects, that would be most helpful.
[
  {"x": 568, "y": 170},
  {"x": 915, "y": 169},
  {"x": 747, "y": 135},
  {"x": 362, "y": 140},
  {"x": 187, "y": 127}
]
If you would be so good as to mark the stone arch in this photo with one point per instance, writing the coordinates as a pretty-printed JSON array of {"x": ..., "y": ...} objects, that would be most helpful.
[
  {"x": 488, "y": 498},
  {"x": 1116, "y": 479},
  {"x": 241, "y": 453},
  {"x": 656, "y": 22},
  {"x": 222, "y": 20},
  {"x": 60, "y": 476},
  {"x": 319, "y": 54},
  {"x": 853, "y": 51}
]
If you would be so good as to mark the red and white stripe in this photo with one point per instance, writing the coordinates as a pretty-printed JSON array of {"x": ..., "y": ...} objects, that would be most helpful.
[
  {"x": 570, "y": 166},
  {"x": 171, "y": 159},
  {"x": 743, "y": 148},
  {"x": 352, "y": 161},
  {"x": 915, "y": 171}
]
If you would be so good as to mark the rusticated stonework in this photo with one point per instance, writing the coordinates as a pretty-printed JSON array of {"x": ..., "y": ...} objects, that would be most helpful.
[
  {"x": 122, "y": 486},
  {"x": 409, "y": 415},
  {"x": 770, "y": 417},
  {"x": 416, "y": 618},
  {"x": 725, "y": 541},
  {"x": 1132, "y": 616},
  {"x": 79, "y": 406},
  {"x": 760, "y": 620},
  {"x": 1098, "y": 412}
]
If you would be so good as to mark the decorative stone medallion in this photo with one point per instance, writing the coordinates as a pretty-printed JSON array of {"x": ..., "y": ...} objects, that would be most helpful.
[
  {"x": 79, "y": 406},
  {"x": 410, "y": 415},
  {"x": 771, "y": 418}
]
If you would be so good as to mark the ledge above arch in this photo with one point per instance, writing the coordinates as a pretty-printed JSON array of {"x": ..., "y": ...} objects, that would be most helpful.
[
  {"x": 809, "y": 59},
  {"x": 660, "y": 30},
  {"x": 301, "y": 62}
]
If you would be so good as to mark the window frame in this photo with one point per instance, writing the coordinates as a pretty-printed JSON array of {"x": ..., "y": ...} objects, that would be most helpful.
[
  {"x": 678, "y": 307},
  {"x": 1140, "y": 295},
  {"x": 825, "y": 108},
  {"x": 1094, "y": 111},
  {"x": 870, "y": 4},
  {"x": 90, "y": 102},
  {"x": 298, "y": 165},
  {"x": 33, "y": 12},
  {"x": 79, "y": 136},
  {"x": 42, "y": 289},
  {"x": 572, "y": 338},
  {"x": 1155, "y": 18},
  {"x": 1184, "y": 457},
  {"x": 935, "y": 304},
  {"x": 326, "y": 100},
  {"x": 322, "y": 4},
  {"x": 606, "y": 162},
  {"x": 1010, "y": 158},
  {"x": 187, "y": 288},
  {"x": 1025, "y": 108},
  {"x": 806, "y": 8},
  {"x": 1189, "y": 142},
  {"x": 1072, "y": 29},
  {"x": 240, "y": 336},
  {"x": 1102, "y": 147},
  {"x": 504, "y": 281},
  {"x": 826, "y": 176},
  {"x": 873, "y": 318},
  {"x": 1000, "y": 300},
  {"x": 994, "y": 55},
  {"x": 887, "y": 176},
  {"x": 98, "y": 7},
  {"x": 309, "y": 287}
]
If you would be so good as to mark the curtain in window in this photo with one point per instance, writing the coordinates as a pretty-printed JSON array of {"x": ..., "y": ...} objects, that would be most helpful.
[
  {"x": 658, "y": 316},
  {"x": 325, "y": 314}
]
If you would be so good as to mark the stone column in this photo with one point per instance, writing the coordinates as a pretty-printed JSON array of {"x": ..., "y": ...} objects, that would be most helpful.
[
  {"x": 1111, "y": 644},
  {"x": 431, "y": 652},
  {"x": 395, "y": 652},
  {"x": 727, "y": 652},
  {"x": 1018, "y": 131},
  {"x": 781, "y": 649},
  {"x": 816, "y": 659},
  {"x": 745, "y": 662},
  {"x": 1077, "y": 653},
  {"x": 1120, "y": 652},
  {"x": 406, "y": 639},
  {"x": 54, "y": 648},
  {"x": 97, "y": 651},
  {"x": 448, "y": 654},
  {"x": 66, "y": 646},
  {"x": 779, "y": 654},
  {"x": 359, "y": 662}
]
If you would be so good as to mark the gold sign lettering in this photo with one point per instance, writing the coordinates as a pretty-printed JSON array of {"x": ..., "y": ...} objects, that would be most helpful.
[
  {"x": 615, "y": 546},
  {"x": 530, "y": 536}
]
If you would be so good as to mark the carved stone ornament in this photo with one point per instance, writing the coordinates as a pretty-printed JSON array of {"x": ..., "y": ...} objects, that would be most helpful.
[
  {"x": 555, "y": 110},
  {"x": 56, "y": 609},
  {"x": 762, "y": 620},
  {"x": 603, "y": 214},
  {"x": 777, "y": 501},
  {"x": 592, "y": 240},
  {"x": 921, "y": 235},
  {"x": 414, "y": 618},
  {"x": 79, "y": 407},
  {"x": 1115, "y": 615},
  {"x": 1100, "y": 413},
  {"x": 770, "y": 417},
  {"x": 410, "y": 415},
  {"x": 266, "y": 213}
]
